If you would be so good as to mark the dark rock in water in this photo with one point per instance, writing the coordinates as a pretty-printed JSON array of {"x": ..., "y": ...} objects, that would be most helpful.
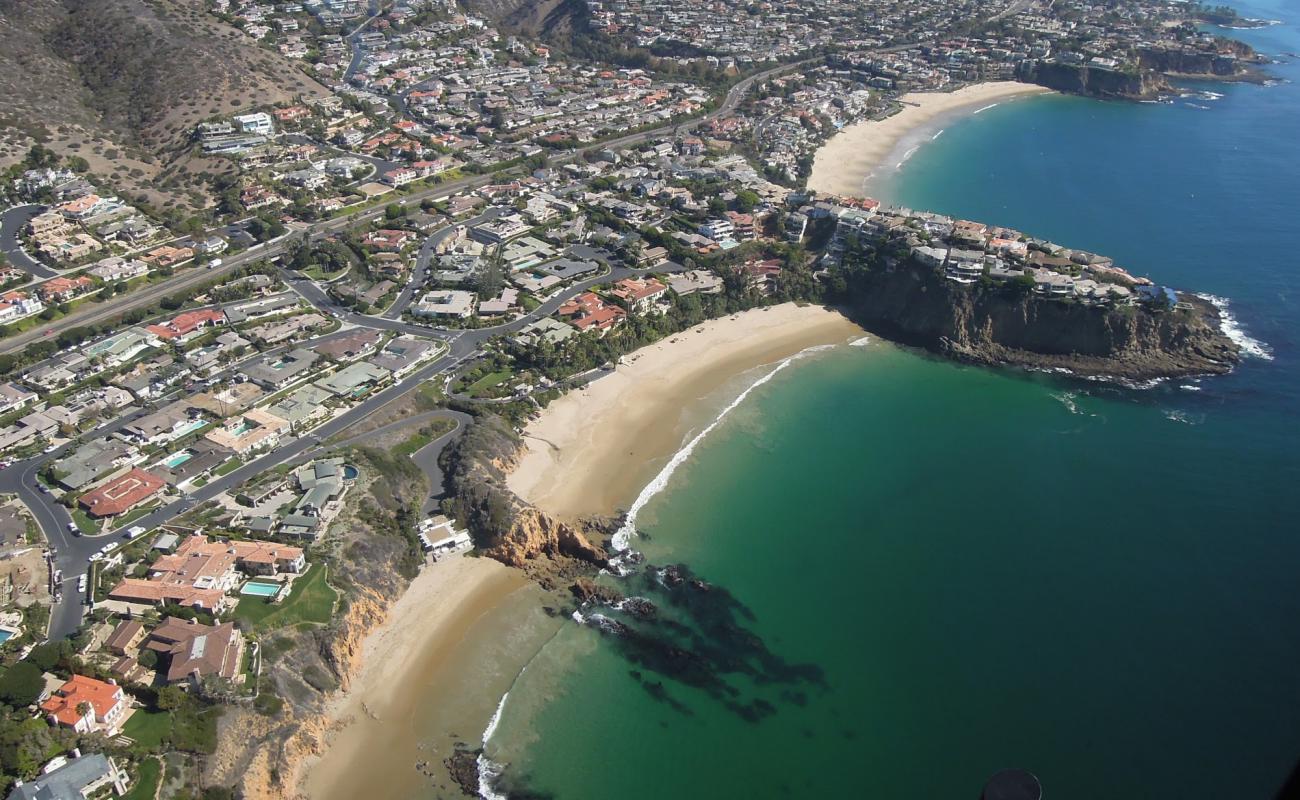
[
  {"x": 587, "y": 591},
  {"x": 639, "y": 608},
  {"x": 462, "y": 765},
  {"x": 634, "y": 557},
  {"x": 701, "y": 585},
  {"x": 672, "y": 576}
]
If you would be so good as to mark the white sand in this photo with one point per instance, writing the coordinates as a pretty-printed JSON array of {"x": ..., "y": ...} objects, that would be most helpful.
[
  {"x": 863, "y": 150},
  {"x": 593, "y": 450}
]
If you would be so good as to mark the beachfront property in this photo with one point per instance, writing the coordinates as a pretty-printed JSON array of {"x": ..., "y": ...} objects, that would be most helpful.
[
  {"x": 639, "y": 294},
  {"x": 189, "y": 651},
  {"x": 200, "y": 573},
  {"x": 75, "y": 778},
  {"x": 588, "y": 312},
  {"x": 87, "y": 705}
]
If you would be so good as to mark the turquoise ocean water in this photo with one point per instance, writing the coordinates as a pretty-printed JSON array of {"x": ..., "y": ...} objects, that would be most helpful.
[{"x": 918, "y": 573}]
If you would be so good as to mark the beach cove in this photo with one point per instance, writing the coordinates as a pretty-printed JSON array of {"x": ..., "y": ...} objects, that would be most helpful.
[{"x": 866, "y": 151}]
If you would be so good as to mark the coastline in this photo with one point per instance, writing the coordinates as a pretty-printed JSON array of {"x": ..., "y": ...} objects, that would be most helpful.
[
  {"x": 594, "y": 449},
  {"x": 866, "y": 150},
  {"x": 429, "y": 677}
]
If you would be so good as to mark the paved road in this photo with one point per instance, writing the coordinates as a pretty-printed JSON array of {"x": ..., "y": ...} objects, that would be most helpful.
[
  {"x": 73, "y": 553},
  {"x": 12, "y": 222},
  {"x": 421, "y": 272}
]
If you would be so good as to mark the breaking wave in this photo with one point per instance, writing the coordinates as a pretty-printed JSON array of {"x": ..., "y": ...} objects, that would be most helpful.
[
  {"x": 624, "y": 534},
  {"x": 1231, "y": 328}
]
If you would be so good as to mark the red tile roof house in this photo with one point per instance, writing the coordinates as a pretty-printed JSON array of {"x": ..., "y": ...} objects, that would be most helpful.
[
  {"x": 588, "y": 312},
  {"x": 104, "y": 706},
  {"x": 122, "y": 493},
  {"x": 388, "y": 239},
  {"x": 638, "y": 295},
  {"x": 186, "y": 324},
  {"x": 60, "y": 289}
]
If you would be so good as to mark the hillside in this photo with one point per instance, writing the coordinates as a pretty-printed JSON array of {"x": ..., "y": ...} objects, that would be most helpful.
[{"x": 121, "y": 83}]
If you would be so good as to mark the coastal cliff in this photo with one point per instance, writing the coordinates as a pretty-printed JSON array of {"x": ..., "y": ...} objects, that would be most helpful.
[
  {"x": 918, "y": 306},
  {"x": 1107, "y": 84},
  {"x": 504, "y": 526}
]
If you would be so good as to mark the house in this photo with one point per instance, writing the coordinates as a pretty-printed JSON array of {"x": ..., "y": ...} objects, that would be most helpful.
[
  {"x": 121, "y": 494},
  {"x": 14, "y": 398},
  {"x": 278, "y": 371},
  {"x": 185, "y": 325},
  {"x": 60, "y": 290},
  {"x": 402, "y": 354},
  {"x": 638, "y": 294},
  {"x": 353, "y": 380},
  {"x": 200, "y": 572},
  {"x": 116, "y": 268},
  {"x": 168, "y": 256},
  {"x": 303, "y": 405},
  {"x": 75, "y": 778},
  {"x": 386, "y": 239},
  {"x": 15, "y": 305},
  {"x": 718, "y": 230},
  {"x": 189, "y": 651},
  {"x": 164, "y": 425},
  {"x": 588, "y": 312},
  {"x": 352, "y": 345},
  {"x": 544, "y": 329},
  {"x": 86, "y": 705},
  {"x": 97, "y": 457},
  {"x": 259, "y": 123},
  {"x": 445, "y": 303},
  {"x": 125, "y": 637},
  {"x": 697, "y": 280},
  {"x": 254, "y": 429}
]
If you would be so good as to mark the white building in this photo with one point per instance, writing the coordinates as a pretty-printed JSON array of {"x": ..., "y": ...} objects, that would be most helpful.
[{"x": 259, "y": 123}]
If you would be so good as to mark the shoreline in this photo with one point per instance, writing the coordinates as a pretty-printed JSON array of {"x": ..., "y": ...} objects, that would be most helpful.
[
  {"x": 865, "y": 151},
  {"x": 429, "y": 676},
  {"x": 594, "y": 450}
]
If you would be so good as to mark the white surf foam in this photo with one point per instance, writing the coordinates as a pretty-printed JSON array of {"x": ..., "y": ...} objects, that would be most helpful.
[
  {"x": 937, "y": 135},
  {"x": 1232, "y": 329},
  {"x": 907, "y": 156},
  {"x": 860, "y": 342},
  {"x": 624, "y": 534},
  {"x": 985, "y": 108},
  {"x": 488, "y": 770}
]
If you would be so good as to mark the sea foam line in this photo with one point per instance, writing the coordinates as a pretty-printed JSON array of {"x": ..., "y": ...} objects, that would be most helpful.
[
  {"x": 985, "y": 108},
  {"x": 489, "y": 770},
  {"x": 1231, "y": 328},
  {"x": 624, "y": 533}
]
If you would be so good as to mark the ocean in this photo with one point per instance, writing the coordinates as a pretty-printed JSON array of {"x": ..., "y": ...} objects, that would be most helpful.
[{"x": 901, "y": 575}]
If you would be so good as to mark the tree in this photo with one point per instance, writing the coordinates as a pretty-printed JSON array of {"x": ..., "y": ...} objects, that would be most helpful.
[
  {"x": 746, "y": 200},
  {"x": 170, "y": 698},
  {"x": 148, "y": 658},
  {"x": 21, "y": 685}
]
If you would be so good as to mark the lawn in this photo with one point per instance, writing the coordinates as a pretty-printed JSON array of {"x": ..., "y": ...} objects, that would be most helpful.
[
  {"x": 228, "y": 467},
  {"x": 146, "y": 782},
  {"x": 84, "y": 522},
  {"x": 148, "y": 728},
  {"x": 488, "y": 381},
  {"x": 311, "y": 601}
]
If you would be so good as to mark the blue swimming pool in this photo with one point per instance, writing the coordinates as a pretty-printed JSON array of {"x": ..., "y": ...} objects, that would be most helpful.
[
  {"x": 350, "y": 472},
  {"x": 5, "y": 636},
  {"x": 176, "y": 459},
  {"x": 259, "y": 589}
]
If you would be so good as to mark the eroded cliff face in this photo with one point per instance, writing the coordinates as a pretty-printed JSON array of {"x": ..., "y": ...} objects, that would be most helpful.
[
  {"x": 1093, "y": 82},
  {"x": 504, "y": 526},
  {"x": 918, "y": 306}
]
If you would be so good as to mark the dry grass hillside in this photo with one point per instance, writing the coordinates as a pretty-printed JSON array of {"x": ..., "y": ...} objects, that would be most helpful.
[{"x": 122, "y": 83}]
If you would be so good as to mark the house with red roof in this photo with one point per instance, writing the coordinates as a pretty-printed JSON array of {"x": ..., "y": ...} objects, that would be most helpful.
[
  {"x": 637, "y": 294},
  {"x": 122, "y": 493},
  {"x": 187, "y": 324},
  {"x": 58, "y": 290},
  {"x": 588, "y": 312},
  {"x": 87, "y": 705}
]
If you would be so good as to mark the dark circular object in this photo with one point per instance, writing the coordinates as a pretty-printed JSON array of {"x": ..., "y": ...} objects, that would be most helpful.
[{"x": 1013, "y": 784}]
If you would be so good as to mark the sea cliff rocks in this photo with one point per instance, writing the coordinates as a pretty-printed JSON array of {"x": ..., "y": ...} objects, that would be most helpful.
[
  {"x": 504, "y": 526},
  {"x": 917, "y": 306}
]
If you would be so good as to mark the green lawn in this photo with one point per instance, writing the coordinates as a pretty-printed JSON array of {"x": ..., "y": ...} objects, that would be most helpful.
[
  {"x": 228, "y": 467},
  {"x": 84, "y": 522},
  {"x": 146, "y": 782},
  {"x": 488, "y": 381},
  {"x": 148, "y": 728},
  {"x": 311, "y": 601}
]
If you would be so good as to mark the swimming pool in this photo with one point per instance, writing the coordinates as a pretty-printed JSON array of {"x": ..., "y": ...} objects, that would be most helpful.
[
  {"x": 350, "y": 472},
  {"x": 176, "y": 459},
  {"x": 5, "y": 636},
  {"x": 259, "y": 589}
]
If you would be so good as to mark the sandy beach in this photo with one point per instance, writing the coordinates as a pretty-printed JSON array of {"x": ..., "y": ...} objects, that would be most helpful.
[
  {"x": 593, "y": 450},
  {"x": 430, "y": 676},
  {"x": 859, "y": 152}
]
